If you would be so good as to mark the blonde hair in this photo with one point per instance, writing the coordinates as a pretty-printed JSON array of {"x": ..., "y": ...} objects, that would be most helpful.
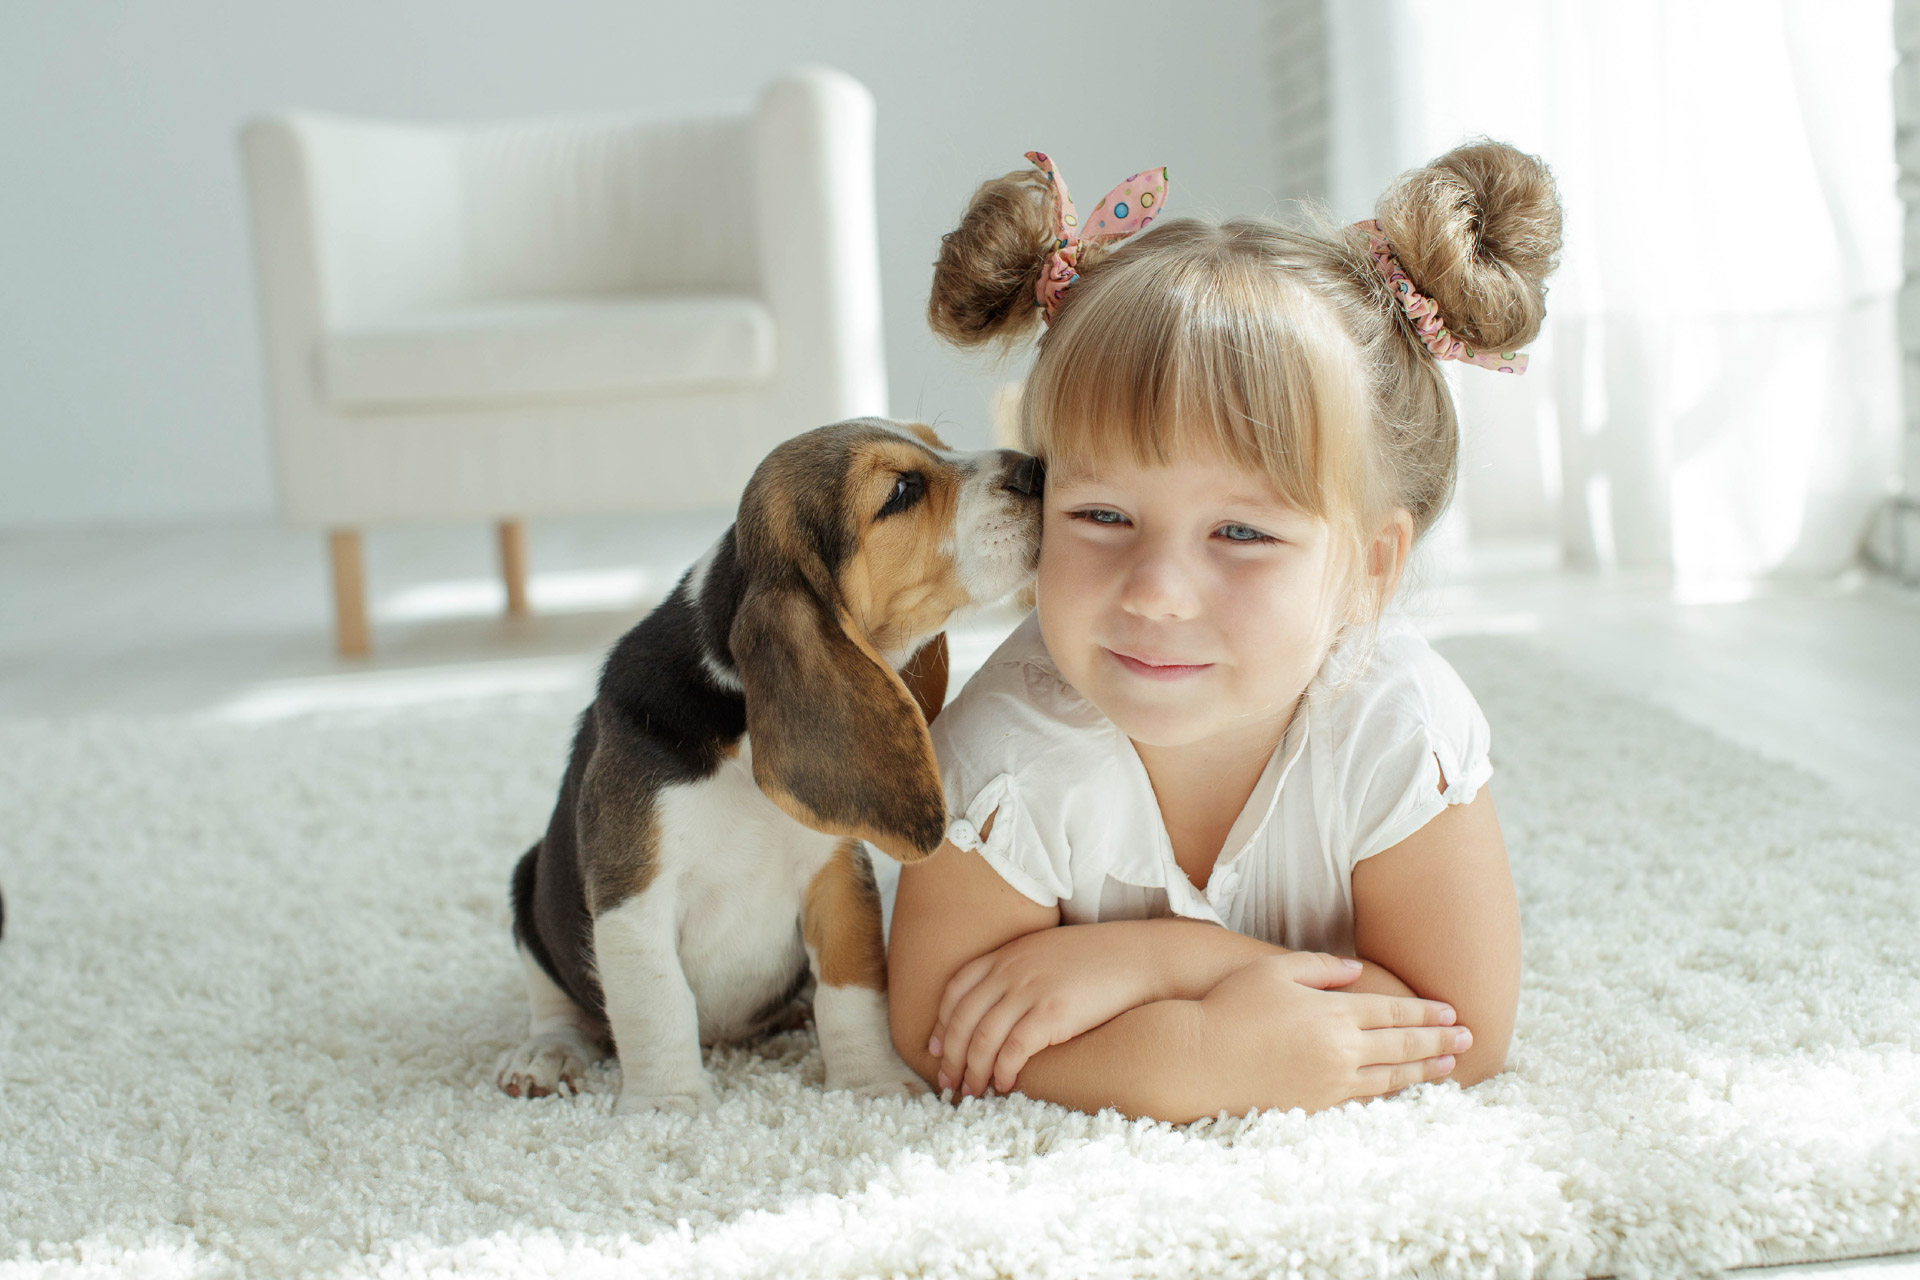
[{"x": 1280, "y": 347}]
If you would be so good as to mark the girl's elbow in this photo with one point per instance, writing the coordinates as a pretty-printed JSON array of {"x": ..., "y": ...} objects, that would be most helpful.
[
  {"x": 910, "y": 1029},
  {"x": 1479, "y": 1063},
  {"x": 922, "y": 1063}
]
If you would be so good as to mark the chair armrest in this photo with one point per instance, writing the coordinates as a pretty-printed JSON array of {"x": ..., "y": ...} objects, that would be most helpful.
[
  {"x": 348, "y": 221},
  {"x": 287, "y": 260},
  {"x": 380, "y": 206},
  {"x": 817, "y": 239}
]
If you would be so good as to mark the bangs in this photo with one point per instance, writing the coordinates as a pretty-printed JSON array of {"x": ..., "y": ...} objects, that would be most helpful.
[{"x": 1188, "y": 343}]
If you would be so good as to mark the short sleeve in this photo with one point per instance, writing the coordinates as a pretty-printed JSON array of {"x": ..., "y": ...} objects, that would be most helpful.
[
  {"x": 1000, "y": 754},
  {"x": 1406, "y": 725}
]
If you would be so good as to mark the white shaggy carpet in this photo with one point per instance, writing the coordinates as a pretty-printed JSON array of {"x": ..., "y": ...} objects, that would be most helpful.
[{"x": 255, "y": 978}]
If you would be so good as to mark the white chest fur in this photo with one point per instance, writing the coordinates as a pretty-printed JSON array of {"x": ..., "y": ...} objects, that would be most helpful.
[{"x": 738, "y": 870}]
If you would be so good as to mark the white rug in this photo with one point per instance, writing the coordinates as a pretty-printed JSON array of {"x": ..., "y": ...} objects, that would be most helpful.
[{"x": 255, "y": 978}]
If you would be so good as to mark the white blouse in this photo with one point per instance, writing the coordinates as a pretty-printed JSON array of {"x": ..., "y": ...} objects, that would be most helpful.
[{"x": 1358, "y": 771}]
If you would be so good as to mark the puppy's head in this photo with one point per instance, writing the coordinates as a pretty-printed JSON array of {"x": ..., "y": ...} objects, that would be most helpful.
[{"x": 857, "y": 541}]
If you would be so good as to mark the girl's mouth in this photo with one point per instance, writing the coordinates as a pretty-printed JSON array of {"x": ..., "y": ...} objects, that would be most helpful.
[{"x": 1153, "y": 669}]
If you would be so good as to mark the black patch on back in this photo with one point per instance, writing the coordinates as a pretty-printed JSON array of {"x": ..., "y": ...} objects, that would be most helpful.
[{"x": 675, "y": 724}]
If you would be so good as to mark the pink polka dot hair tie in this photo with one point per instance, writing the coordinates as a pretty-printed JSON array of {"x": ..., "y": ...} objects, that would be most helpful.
[
  {"x": 1424, "y": 312},
  {"x": 1128, "y": 208}
]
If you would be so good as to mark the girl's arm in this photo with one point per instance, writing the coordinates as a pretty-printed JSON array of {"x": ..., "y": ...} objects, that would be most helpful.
[
  {"x": 1270, "y": 1036},
  {"x": 1435, "y": 918},
  {"x": 1438, "y": 909},
  {"x": 1192, "y": 957},
  {"x": 947, "y": 911},
  {"x": 1046, "y": 987},
  {"x": 1263, "y": 1038}
]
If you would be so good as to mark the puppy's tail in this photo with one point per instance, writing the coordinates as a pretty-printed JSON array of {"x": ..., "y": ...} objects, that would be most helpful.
[{"x": 523, "y": 880}]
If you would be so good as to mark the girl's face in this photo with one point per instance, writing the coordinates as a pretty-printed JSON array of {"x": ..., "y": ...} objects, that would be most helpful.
[{"x": 1189, "y": 603}]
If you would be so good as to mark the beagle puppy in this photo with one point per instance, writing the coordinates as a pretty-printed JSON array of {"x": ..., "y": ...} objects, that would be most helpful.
[{"x": 703, "y": 866}]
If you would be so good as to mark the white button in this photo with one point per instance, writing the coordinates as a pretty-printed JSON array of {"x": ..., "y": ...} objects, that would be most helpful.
[{"x": 962, "y": 833}]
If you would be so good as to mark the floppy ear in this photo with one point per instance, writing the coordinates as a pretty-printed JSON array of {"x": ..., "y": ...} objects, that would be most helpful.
[
  {"x": 838, "y": 743},
  {"x": 925, "y": 676}
]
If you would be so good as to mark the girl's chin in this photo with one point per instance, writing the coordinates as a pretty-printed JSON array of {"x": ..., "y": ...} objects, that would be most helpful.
[{"x": 1161, "y": 726}]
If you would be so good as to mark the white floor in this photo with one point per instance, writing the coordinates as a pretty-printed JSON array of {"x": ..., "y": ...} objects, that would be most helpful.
[{"x": 234, "y": 621}]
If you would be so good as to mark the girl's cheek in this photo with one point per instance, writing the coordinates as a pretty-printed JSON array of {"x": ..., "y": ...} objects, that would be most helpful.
[{"x": 1286, "y": 602}]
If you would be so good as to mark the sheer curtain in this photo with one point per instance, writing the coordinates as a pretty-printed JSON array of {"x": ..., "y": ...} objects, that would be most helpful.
[{"x": 1717, "y": 391}]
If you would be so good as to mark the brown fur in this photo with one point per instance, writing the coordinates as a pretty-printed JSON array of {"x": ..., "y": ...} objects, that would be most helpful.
[
  {"x": 838, "y": 743},
  {"x": 842, "y": 922},
  {"x": 926, "y": 677},
  {"x": 839, "y": 740},
  {"x": 897, "y": 584},
  {"x": 807, "y": 602}
]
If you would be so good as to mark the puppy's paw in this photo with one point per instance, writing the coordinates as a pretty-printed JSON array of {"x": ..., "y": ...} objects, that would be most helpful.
[
  {"x": 633, "y": 1102},
  {"x": 543, "y": 1065},
  {"x": 879, "y": 1074}
]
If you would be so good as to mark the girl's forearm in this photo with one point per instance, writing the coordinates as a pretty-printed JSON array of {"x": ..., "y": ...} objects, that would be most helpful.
[
  {"x": 1378, "y": 980},
  {"x": 1164, "y": 1058},
  {"x": 1188, "y": 958},
  {"x": 1159, "y": 1060}
]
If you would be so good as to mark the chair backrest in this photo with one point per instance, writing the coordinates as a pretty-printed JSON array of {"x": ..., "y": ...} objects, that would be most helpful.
[
  {"x": 407, "y": 217},
  {"x": 610, "y": 206}
]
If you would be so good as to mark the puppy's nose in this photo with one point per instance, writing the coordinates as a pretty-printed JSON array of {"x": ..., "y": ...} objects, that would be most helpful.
[{"x": 1027, "y": 478}]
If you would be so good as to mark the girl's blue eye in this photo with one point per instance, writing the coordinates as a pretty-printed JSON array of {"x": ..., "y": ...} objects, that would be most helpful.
[
  {"x": 1100, "y": 515},
  {"x": 1242, "y": 533}
]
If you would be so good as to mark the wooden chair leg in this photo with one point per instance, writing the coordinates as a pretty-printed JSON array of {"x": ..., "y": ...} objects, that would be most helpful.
[
  {"x": 513, "y": 566},
  {"x": 349, "y": 593}
]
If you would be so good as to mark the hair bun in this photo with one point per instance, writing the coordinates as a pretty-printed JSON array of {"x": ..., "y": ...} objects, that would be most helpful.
[
  {"x": 990, "y": 265},
  {"x": 1478, "y": 231}
]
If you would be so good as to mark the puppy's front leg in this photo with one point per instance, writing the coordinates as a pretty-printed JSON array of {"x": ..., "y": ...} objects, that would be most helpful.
[
  {"x": 841, "y": 926},
  {"x": 650, "y": 1007}
]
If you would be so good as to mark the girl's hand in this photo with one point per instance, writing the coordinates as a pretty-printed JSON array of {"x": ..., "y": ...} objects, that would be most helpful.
[
  {"x": 1313, "y": 1048},
  {"x": 1041, "y": 989}
]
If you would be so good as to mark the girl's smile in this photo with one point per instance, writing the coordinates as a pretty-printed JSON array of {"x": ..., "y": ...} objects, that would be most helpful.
[
  {"x": 1158, "y": 668},
  {"x": 1189, "y": 601}
]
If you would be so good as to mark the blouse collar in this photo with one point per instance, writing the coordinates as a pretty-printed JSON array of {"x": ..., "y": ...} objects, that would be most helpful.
[{"x": 1149, "y": 862}]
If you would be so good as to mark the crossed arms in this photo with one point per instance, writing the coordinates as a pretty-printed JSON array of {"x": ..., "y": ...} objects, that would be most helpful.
[{"x": 1178, "y": 1019}]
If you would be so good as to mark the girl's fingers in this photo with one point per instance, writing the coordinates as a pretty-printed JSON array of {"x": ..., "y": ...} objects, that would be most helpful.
[
  {"x": 955, "y": 1037},
  {"x": 978, "y": 1027},
  {"x": 1375, "y": 1012},
  {"x": 988, "y": 1037},
  {"x": 1318, "y": 969},
  {"x": 1402, "y": 1045},
  {"x": 957, "y": 1025},
  {"x": 1375, "y": 1081},
  {"x": 1021, "y": 1044},
  {"x": 958, "y": 985}
]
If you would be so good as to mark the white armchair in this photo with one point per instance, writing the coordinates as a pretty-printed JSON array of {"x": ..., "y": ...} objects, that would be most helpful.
[{"x": 497, "y": 321}]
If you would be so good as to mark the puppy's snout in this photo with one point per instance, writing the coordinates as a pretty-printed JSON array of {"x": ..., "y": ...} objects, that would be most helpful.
[{"x": 1027, "y": 477}]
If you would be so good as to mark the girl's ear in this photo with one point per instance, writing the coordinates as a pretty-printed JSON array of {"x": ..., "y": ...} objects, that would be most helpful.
[
  {"x": 1387, "y": 555},
  {"x": 838, "y": 742},
  {"x": 1391, "y": 548}
]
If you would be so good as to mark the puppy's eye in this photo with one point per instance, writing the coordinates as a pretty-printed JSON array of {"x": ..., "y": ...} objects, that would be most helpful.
[{"x": 908, "y": 488}]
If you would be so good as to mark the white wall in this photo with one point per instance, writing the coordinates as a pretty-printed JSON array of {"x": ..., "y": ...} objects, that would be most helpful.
[
  {"x": 1659, "y": 427},
  {"x": 130, "y": 381},
  {"x": 1906, "y": 115}
]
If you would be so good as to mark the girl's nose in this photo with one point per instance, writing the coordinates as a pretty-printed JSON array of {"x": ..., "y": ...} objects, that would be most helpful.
[{"x": 1159, "y": 586}]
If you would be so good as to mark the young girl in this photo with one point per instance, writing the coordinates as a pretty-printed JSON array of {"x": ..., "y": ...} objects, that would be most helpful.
[{"x": 1220, "y": 836}]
